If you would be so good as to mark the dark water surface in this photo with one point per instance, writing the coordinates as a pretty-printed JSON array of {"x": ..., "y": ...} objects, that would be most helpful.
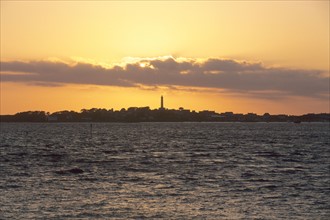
[{"x": 165, "y": 170}]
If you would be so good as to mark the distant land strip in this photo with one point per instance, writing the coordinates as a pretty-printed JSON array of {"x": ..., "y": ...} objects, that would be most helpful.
[{"x": 145, "y": 114}]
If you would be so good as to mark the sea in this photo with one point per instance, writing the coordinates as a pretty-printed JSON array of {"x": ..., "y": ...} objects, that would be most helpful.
[{"x": 165, "y": 171}]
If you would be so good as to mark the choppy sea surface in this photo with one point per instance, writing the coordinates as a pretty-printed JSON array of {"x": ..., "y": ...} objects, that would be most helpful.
[{"x": 165, "y": 171}]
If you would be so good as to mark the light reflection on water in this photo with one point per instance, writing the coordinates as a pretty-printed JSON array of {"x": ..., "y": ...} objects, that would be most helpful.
[{"x": 165, "y": 170}]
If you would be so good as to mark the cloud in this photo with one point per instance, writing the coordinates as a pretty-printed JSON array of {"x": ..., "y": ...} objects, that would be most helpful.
[
  {"x": 46, "y": 84},
  {"x": 228, "y": 75}
]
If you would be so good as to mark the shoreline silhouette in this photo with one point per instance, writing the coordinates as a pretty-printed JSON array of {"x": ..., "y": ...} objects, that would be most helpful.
[{"x": 145, "y": 114}]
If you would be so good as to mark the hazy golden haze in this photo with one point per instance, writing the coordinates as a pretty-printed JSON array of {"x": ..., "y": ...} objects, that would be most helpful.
[{"x": 224, "y": 56}]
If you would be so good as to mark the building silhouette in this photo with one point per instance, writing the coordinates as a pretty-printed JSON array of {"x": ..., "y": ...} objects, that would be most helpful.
[{"x": 162, "y": 103}]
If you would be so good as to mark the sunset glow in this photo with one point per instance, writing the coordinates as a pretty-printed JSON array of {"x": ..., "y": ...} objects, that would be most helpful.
[{"x": 216, "y": 55}]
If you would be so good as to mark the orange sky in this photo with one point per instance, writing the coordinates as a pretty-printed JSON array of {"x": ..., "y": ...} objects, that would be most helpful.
[{"x": 217, "y": 55}]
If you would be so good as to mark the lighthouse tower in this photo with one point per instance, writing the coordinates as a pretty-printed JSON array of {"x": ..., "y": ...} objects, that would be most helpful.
[{"x": 161, "y": 103}]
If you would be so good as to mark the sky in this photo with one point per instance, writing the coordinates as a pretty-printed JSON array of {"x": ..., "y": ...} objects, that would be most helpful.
[{"x": 238, "y": 56}]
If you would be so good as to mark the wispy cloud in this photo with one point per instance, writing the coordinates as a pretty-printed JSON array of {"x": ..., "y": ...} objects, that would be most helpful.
[{"x": 228, "y": 75}]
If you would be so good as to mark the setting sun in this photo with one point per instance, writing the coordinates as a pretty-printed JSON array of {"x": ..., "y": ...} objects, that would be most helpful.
[{"x": 142, "y": 65}]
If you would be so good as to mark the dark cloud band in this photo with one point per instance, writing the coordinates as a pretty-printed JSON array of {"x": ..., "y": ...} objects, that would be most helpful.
[{"x": 229, "y": 75}]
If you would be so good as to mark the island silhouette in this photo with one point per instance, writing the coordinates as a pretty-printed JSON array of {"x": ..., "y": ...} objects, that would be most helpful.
[{"x": 162, "y": 114}]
